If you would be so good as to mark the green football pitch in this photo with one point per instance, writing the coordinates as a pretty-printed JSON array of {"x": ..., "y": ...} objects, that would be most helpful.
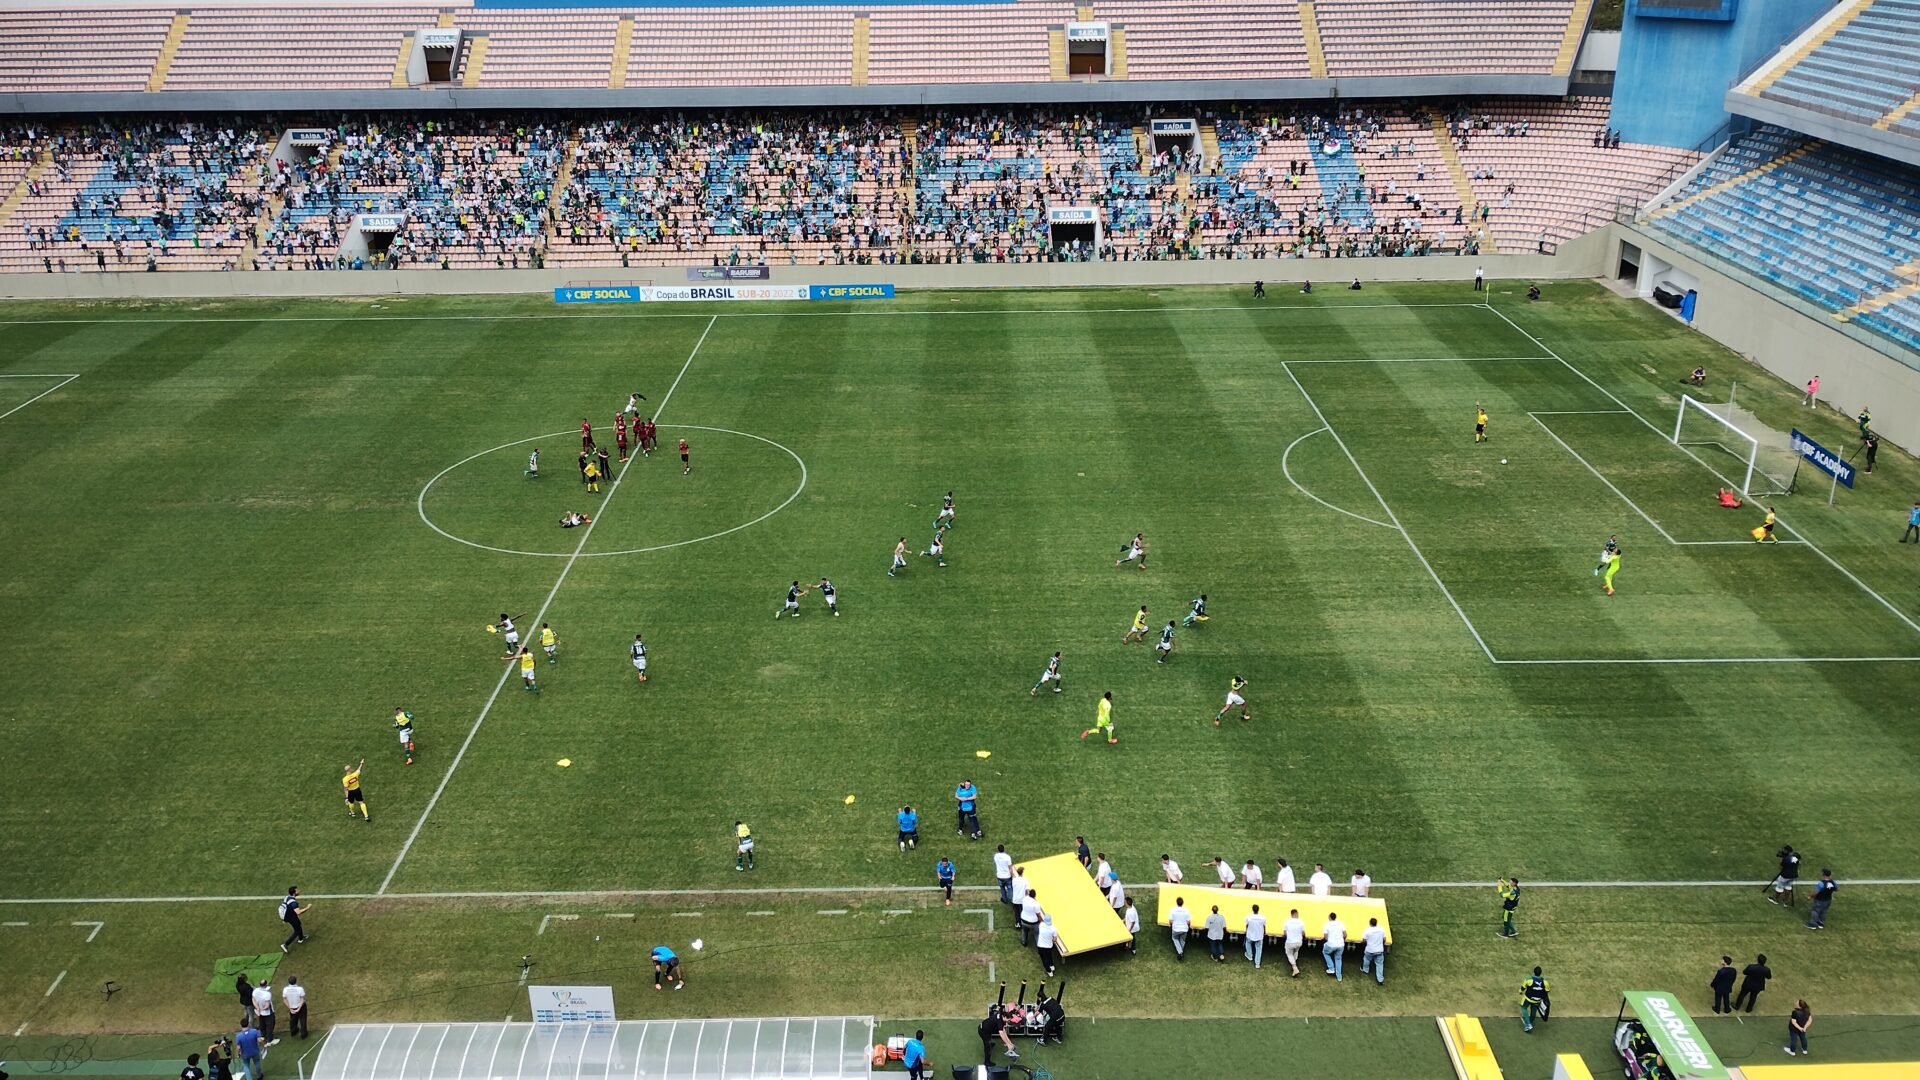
[{"x": 239, "y": 534}]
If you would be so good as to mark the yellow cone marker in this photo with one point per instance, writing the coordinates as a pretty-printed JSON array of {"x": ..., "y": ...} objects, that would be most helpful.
[
  {"x": 565, "y": 763},
  {"x": 849, "y": 800},
  {"x": 983, "y": 753}
]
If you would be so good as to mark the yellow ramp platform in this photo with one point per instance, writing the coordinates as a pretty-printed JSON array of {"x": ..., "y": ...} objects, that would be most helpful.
[
  {"x": 1888, "y": 1070},
  {"x": 1237, "y": 904},
  {"x": 1080, "y": 911},
  {"x": 1467, "y": 1047}
]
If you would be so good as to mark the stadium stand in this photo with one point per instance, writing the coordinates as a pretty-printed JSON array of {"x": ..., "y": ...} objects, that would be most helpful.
[
  {"x": 1393, "y": 37},
  {"x": 79, "y": 49},
  {"x": 311, "y": 46},
  {"x": 178, "y": 196},
  {"x": 1833, "y": 226},
  {"x": 964, "y": 42},
  {"x": 818, "y": 188},
  {"x": 1541, "y": 172},
  {"x": 1864, "y": 66},
  {"x": 692, "y": 191},
  {"x": 552, "y": 48},
  {"x": 293, "y": 48},
  {"x": 472, "y": 200},
  {"x": 715, "y": 46},
  {"x": 1210, "y": 39}
]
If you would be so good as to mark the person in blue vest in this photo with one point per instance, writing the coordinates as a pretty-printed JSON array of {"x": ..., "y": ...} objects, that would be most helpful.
[
  {"x": 909, "y": 823},
  {"x": 915, "y": 1058},
  {"x": 966, "y": 797},
  {"x": 667, "y": 966}
]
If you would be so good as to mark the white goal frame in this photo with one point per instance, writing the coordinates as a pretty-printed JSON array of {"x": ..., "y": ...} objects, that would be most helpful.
[{"x": 1752, "y": 446}]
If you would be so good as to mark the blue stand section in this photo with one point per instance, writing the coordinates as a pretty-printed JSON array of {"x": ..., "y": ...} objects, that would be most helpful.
[
  {"x": 1674, "y": 73},
  {"x": 1340, "y": 182}
]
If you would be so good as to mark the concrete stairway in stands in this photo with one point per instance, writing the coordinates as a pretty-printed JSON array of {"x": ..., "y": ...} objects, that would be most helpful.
[
  {"x": 1462, "y": 187},
  {"x": 168, "y": 48}
]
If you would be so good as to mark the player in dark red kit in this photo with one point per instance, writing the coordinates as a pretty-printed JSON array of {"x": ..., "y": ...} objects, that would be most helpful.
[
  {"x": 586, "y": 434},
  {"x": 620, "y": 434},
  {"x": 649, "y": 436},
  {"x": 685, "y": 467}
]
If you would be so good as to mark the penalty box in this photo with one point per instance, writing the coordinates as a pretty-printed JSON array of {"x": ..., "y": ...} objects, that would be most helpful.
[{"x": 1509, "y": 530}]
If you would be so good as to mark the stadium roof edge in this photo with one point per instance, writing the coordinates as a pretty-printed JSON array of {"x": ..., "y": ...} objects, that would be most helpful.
[
  {"x": 1850, "y": 133},
  {"x": 826, "y": 96}
]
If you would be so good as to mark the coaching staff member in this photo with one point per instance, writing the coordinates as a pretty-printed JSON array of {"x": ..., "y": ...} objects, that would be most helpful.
[{"x": 290, "y": 911}]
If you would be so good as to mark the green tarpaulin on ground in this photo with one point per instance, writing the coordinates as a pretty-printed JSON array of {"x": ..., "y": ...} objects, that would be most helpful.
[{"x": 256, "y": 968}]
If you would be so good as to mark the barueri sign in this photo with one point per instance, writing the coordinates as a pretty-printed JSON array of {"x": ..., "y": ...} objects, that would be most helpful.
[
  {"x": 564, "y": 1004},
  {"x": 1677, "y": 1036}
]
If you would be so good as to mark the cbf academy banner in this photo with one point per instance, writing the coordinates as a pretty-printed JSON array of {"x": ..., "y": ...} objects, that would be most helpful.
[{"x": 1822, "y": 458}]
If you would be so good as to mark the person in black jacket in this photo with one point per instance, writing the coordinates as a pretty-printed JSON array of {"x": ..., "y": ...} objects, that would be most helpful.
[
  {"x": 1722, "y": 985},
  {"x": 1752, "y": 981},
  {"x": 994, "y": 1029}
]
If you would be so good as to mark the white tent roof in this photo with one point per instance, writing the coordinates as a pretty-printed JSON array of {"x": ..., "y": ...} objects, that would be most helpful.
[{"x": 781, "y": 1048}]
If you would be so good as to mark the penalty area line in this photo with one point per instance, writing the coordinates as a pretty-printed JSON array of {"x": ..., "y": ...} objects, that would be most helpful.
[{"x": 567, "y": 568}]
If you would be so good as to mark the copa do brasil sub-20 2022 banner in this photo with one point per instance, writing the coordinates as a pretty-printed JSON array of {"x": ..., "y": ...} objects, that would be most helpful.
[{"x": 635, "y": 294}]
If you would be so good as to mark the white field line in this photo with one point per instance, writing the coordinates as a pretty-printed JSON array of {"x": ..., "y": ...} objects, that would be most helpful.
[
  {"x": 1815, "y": 548},
  {"x": 567, "y": 568},
  {"x": 1648, "y": 518},
  {"x": 64, "y": 380},
  {"x": 1288, "y": 473},
  {"x": 57, "y": 979},
  {"x": 870, "y": 890},
  {"x": 1444, "y": 591},
  {"x": 97, "y": 927},
  {"x": 545, "y": 919},
  {"x": 1416, "y": 359},
  {"x": 1598, "y": 475},
  {"x": 726, "y": 314},
  {"x": 420, "y": 501}
]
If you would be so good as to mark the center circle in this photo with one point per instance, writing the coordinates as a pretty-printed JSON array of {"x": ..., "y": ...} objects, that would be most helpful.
[{"x": 666, "y": 458}]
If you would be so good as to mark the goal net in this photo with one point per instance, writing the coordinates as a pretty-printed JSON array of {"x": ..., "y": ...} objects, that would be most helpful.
[{"x": 1760, "y": 459}]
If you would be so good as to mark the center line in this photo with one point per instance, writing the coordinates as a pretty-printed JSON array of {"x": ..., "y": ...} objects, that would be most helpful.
[{"x": 585, "y": 535}]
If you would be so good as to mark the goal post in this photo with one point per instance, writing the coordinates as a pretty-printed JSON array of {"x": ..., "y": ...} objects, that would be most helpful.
[{"x": 1764, "y": 459}]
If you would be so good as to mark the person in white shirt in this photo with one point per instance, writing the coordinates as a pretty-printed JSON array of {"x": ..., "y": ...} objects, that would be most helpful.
[
  {"x": 1180, "y": 920},
  {"x": 1283, "y": 877},
  {"x": 1030, "y": 913},
  {"x": 1170, "y": 868},
  {"x": 294, "y": 997},
  {"x": 1103, "y": 872},
  {"x": 1130, "y": 918},
  {"x": 1375, "y": 954},
  {"x": 1321, "y": 883},
  {"x": 263, "y": 1010},
  {"x": 1019, "y": 885},
  {"x": 1361, "y": 883},
  {"x": 1003, "y": 871},
  {"x": 1333, "y": 946},
  {"x": 1217, "y": 935},
  {"x": 1251, "y": 876},
  {"x": 1225, "y": 869},
  {"x": 1295, "y": 932},
  {"x": 1044, "y": 940},
  {"x": 1256, "y": 944},
  {"x": 1116, "y": 894}
]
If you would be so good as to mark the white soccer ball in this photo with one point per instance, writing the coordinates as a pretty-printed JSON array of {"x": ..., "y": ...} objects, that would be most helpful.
[
  {"x": 1503, "y": 461},
  {"x": 698, "y": 944}
]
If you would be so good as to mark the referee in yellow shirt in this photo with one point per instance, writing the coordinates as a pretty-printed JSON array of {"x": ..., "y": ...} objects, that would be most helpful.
[{"x": 350, "y": 780}]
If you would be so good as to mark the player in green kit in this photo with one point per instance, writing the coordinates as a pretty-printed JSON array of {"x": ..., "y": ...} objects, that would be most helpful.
[
  {"x": 1165, "y": 645},
  {"x": 1197, "y": 611},
  {"x": 1051, "y": 675},
  {"x": 403, "y": 727}
]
